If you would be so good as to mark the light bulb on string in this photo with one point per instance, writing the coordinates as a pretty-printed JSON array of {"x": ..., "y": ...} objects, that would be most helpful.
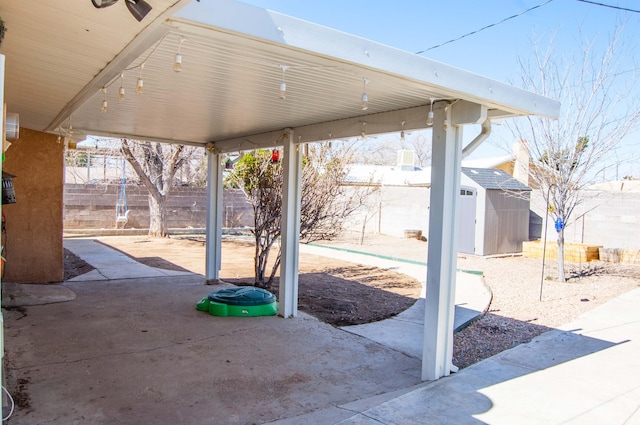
[
  {"x": 430, "y": 114},
  {"x": 140, "y": 82},
  {"x": 364, "y": 133},
  {"x": 402, "y": 133},
  {"x": 121, "y": 89},
  {"x": 364, "y": 104},
  {"x": 104, "y": 106},
  {"x": 177, "y": 62},
  {"x": 283, "y": 85}
]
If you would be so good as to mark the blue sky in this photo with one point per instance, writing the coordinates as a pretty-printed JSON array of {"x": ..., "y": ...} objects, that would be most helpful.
[{"x": 418, "y": 25}]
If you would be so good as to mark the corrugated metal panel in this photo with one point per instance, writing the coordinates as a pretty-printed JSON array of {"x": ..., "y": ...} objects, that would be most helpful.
[
  {"x": 236, "y": 81},
  {"x": 506, "y": 222}
]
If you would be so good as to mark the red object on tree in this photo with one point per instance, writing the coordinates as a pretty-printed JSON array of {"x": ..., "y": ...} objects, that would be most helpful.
[{"x": 275, "y": 156}]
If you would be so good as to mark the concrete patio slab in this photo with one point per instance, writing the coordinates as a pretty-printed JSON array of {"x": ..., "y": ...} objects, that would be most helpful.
[{"x": 136, "y": 351}]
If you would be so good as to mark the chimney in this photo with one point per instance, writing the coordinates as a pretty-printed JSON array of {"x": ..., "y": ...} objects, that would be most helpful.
[{"x": 521, "y": 165}]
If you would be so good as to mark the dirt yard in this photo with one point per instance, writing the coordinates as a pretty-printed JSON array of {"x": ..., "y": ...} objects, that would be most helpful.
[{"x": 333, "y": 291}]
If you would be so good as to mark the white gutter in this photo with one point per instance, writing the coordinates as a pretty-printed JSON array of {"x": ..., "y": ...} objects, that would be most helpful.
[{"x": 484, "y": 134}]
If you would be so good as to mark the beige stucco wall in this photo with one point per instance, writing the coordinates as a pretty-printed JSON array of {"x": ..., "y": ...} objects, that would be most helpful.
[{"x": 34, "y": 223}]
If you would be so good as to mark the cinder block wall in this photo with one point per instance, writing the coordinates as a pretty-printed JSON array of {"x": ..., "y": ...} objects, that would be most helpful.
[
  {"x": 607, "y": 218},
  {"x": 93, "y": 206}
]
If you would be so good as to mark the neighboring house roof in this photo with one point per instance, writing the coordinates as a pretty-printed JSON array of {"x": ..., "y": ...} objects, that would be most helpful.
[
  {"x": 488, "y": 162},
  {"x": 388, "y": 176},
  {"x": 493, "y": 179}
]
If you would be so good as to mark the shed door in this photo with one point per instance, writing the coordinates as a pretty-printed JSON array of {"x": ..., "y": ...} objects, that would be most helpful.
[{"x": 467, "y": 220}]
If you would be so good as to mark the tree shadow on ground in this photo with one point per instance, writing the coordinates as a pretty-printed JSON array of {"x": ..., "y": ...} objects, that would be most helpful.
[
  {"x": 342, "y": 301},
  {"x": 491, "y": 334}
]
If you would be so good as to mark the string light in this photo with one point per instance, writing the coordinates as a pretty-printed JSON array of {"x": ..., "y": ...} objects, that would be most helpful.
[
  {"x": 121, "y": 89},
  {"x": 402, "y": 132},
  {"x": 140, "y": 82},
  {"x": 177, "y": 67},
  {"x": 430, "y": 114},
  {"x": 364, "y": 133},
  {"x": 283, "y": 84},
  {"x": 177, "y": 62},
  {"x": 364, "y": 104},
  {"x": 103, "y": 108}
]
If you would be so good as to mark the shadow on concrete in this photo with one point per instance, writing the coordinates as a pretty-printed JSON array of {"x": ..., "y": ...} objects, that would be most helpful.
[
  {"x": 157, "y": 262},
  {"x": 511, "y": 387}
]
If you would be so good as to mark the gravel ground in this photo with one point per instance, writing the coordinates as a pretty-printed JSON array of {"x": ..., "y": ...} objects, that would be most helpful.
[{"x": 516, "y": 314}]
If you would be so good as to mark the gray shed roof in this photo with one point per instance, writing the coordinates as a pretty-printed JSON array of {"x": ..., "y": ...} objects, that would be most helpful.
[{"x": 494, "y": 179}]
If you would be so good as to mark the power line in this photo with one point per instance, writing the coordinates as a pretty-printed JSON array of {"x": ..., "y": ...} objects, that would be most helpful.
[
  {"x": 611, "y": 6},
  {"x": 486, "y": 27}
]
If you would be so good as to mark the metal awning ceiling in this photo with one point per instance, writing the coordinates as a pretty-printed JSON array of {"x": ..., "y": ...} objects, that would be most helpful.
[{"x": 58, "y": 56}]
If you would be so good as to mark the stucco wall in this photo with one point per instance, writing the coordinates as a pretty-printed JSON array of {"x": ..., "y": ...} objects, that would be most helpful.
[
  {"x": 34, "y": 248},
  {"x": 392, "y": 210}
]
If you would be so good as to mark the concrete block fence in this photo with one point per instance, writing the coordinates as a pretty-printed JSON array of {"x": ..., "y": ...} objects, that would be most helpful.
[{"x": 93, "y": 206}]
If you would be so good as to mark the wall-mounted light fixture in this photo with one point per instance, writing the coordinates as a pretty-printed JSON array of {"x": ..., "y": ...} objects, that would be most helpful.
[{"x": 138, "y": 8}]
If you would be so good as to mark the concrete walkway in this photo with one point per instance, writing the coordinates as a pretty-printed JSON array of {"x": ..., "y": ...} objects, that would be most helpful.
[
  {"x": 405, "y": 332},
  {"x": 111, "y": 264}
]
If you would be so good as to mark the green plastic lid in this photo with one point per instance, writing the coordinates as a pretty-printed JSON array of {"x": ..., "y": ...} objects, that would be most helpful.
[{"x": 244, "y": 295}]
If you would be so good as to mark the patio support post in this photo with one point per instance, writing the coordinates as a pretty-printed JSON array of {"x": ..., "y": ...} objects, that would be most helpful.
[
  {"x": 441, "y": 264},
  {"x": 290, "y": 238},
  {"x": 214, "y": 215}
]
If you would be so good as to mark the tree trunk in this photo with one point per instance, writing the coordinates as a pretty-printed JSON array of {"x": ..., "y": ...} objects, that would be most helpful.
[
  {"x": 157, "y": 217},
  {"x": 561, "y": 276},
  {"x": 261, "y": 258}
]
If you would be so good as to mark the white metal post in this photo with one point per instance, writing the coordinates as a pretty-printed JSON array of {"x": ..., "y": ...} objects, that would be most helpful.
[
  {"x": 441, "y": 265},
  {"x": 290, "y": 239},
  {"x": 214, "y": 216}
]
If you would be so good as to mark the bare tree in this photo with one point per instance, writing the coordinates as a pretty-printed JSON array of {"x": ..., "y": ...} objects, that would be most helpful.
[
  {"x": 382, "y": 150},
  {"x": 156, "y": 165},
  {"x": 598, "y": 111},
  {"x": 325, "y": 202}
]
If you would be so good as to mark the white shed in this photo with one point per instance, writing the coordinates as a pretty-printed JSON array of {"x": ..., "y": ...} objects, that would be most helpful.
[{"x": 493, "y": 214}]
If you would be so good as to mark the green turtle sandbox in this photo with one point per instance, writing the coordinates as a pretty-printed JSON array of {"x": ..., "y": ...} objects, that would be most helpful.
[{"x": 244, "y": 301}]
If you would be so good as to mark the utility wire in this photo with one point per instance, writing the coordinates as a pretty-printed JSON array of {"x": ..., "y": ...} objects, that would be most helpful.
[
  {"x": 611, "y": 6},
  {"x": 486, "y": 27}
]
